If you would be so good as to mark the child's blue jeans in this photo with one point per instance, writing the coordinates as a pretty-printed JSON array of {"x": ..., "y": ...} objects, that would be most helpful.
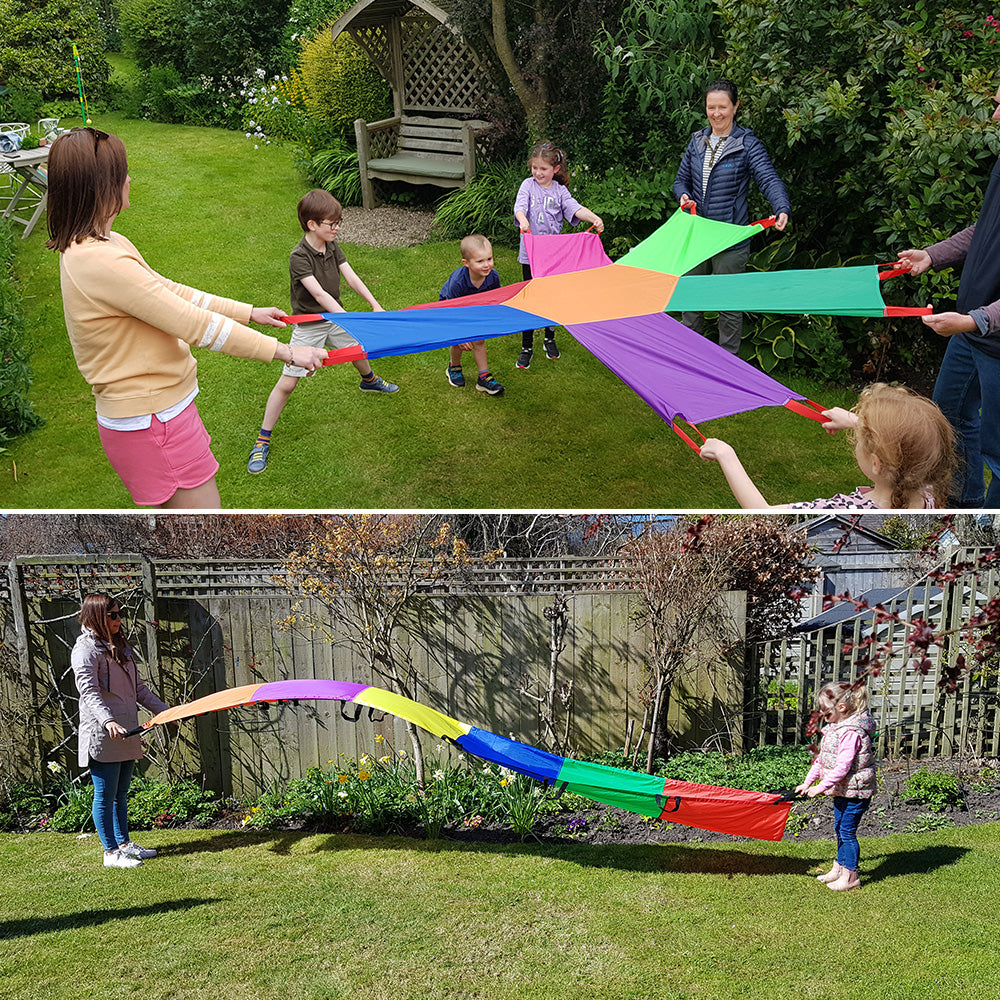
[
  {"x": 847, "y": 815},
  {"x": 111, "y": 781}
]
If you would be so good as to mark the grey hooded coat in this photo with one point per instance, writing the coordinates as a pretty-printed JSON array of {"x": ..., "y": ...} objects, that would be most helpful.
[{"x": 109, "y": 691}]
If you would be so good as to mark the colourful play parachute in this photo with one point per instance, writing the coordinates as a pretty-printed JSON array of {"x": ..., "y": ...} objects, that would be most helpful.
[
  {"x": 724, "y": 810},
  {"x": 617, "y": 310}
]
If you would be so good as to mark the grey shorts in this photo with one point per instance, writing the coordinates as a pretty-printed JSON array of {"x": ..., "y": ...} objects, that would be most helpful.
[{"x": 322, "y": 333}]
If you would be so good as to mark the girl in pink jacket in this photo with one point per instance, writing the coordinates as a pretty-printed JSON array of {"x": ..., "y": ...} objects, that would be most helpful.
[{"x": 844, "y": 768}]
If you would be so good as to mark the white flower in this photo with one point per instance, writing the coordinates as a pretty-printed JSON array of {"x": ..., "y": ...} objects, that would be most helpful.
[
  {"x": 54, "y": 767},
  {"x": 341, "y": 795},
  {"x": 439, "y": 774},
  {"x": 254, "y": 125}
]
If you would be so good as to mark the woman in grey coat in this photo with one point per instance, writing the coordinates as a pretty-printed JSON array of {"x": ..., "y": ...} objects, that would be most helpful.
[{"x": 110, "y": 690}]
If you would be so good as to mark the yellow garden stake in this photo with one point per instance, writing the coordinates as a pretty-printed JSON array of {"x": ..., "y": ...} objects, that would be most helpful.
[{"x": 84, "y": 110}]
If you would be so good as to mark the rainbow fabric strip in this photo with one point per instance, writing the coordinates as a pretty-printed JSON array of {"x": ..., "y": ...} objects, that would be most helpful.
[{"x": 724, "y": 810}]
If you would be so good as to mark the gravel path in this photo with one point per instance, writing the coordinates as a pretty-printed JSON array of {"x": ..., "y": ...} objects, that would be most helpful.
[{"x": 385, "y": 226}]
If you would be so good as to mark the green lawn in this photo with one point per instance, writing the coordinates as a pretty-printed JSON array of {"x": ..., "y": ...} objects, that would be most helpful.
[
  {"x": 211, "y": 211},
  {"x": 239, "y": 915}
]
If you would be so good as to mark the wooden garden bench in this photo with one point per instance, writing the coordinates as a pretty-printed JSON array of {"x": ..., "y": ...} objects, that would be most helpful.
[{"x": 418, "y": 150}]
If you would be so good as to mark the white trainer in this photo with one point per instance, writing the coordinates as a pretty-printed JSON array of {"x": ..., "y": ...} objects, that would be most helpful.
[
  {"x": 133, "y": 850},
  {"x": 119, "y": 859}
]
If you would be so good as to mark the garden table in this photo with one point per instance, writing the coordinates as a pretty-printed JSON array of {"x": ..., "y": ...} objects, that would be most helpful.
[{"x": 25, "y": 164}]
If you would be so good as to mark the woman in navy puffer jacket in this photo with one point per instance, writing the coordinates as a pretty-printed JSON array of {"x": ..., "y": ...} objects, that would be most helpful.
[{"x": 714, "y": 177}]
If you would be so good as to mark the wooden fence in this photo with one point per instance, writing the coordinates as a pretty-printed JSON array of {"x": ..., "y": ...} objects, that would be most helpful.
[
  {"x": 915, "y": 716},
  {"x": 478, "y": 656}
]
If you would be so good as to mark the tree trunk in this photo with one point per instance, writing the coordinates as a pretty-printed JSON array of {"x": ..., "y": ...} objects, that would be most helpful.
[{"x": 531, "y": 100}]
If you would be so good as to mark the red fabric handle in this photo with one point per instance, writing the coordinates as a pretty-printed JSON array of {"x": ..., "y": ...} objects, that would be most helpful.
[
  {"x": 896, "y": 268},
  {"x": 764, "y": 223},
  {"x": 807, "y": 408},
  {"x": 907, "y": 311},
  {"x": 303, "y": 318},
  {"x": 690, "y": 207},
  {"x": 684, "y": 437}
]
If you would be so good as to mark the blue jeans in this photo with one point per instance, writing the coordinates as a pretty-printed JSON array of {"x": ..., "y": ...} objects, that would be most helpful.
[
  {"x": 111, "y": 783},
  {"x": 847, "y": 815},
  {"x": 975, "y": 415}
]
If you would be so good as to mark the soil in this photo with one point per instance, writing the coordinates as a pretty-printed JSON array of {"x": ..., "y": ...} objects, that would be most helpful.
[{"x": 890, "y": 812}]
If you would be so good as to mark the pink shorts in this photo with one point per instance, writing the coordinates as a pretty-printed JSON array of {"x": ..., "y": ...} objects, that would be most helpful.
[{"x": 155, "y": 463}]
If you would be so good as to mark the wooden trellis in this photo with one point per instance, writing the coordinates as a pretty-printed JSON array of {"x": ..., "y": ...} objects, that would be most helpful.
[{"x": 436, "y": 80}]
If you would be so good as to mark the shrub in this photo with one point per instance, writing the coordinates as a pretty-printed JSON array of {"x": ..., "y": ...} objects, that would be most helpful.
[
  {"x": 161, "y": 804},
  {"x": 36, "y": 47},
  {"x": 16, "y": 413},
  {"x": 336, "y": 169},
  {"x": 935, "y": 790},
  {"x": 486, "y": 206},
  {"x": 229, "y": 39},
  {"x": 276, "y": 109},
  {"x": 76, "y": 812},
  {"x": 341, "y": 85},
  {"x": 154, "y": 32},
  {"x": 22, "y": 806}
]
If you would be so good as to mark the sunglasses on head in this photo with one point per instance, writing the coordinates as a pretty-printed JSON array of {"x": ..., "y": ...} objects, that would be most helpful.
[{"x": 95, "y": 132}]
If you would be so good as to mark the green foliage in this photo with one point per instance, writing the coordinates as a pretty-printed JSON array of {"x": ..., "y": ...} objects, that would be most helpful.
[
  {"x": 761, "y": 769},
  {"x": 341, "y": 84},
  {"x": 154, "y": 32},
  {"x": 306, "y": 18},
  {"x": 657, "y": 56},
  {"x": 486, "y": 206},
  {"x": 632, "y": 203},
  {"x": 228, "y": 40},
  {"x": 76, "y": 812},
  {"x": 16, "y": 413},
  {"x": 819, "y": 344},
  {"x": 336, "y": 169},
  {"x": 936, "y": 790},
  {"x": 783, "y": 696},
  {"x": 36, "y": 47},
  {"x": 929, "y": 823},
  {"x": 22, "y": 806},
  {"x": 20, "y": 105},
  {"x": 161, "y": 804}
]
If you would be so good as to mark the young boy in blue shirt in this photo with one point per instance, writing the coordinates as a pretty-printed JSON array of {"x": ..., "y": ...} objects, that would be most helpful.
[
  {"x": 477, "y": 274},
  {"x": 315, "y": 267}
]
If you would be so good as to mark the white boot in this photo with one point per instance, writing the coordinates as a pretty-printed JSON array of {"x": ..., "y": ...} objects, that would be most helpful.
[
  {"x": 846, "y": 880},
  {"x": 832, "y": 874}
]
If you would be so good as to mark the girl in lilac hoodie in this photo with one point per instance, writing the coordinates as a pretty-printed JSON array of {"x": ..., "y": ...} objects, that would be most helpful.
[{"x": 844, "y": 768}]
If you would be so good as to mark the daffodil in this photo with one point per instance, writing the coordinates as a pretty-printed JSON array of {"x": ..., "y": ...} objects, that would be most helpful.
[
  {"x": 343, "y": 778},
  {"x": 379, "y": 737},
  {"x": 439, "y": 774},
  {"x": 364, "y": 775}
]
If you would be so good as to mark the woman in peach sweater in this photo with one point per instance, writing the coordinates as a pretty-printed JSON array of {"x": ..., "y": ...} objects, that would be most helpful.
[{"x": 132, "y": 330}]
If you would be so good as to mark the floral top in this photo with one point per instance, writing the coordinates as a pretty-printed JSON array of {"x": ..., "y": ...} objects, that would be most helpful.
[{"x": 858, "y": 500}]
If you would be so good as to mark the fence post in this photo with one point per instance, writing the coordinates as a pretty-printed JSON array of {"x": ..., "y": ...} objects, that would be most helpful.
[{"x": 20, "y": 619}]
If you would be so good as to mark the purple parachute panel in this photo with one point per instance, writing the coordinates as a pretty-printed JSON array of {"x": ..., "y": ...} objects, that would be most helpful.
[{"x": 677, "y": 371}]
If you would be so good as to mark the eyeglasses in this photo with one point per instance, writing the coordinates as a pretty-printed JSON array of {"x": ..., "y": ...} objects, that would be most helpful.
[
  {"x": 95, "y": 132},
  {"x": 114, "y": 615}
]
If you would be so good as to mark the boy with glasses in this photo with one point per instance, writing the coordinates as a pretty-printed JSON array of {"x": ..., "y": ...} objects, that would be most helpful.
[{"x": 316, "y": 266}]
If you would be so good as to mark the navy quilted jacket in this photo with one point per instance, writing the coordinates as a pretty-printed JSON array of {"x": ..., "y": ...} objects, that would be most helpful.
[{"x": 743, "y": 156}]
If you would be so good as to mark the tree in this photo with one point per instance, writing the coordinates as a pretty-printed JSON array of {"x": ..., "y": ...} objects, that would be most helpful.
[
  {"x": 681, "y": 574},
  {"x": 544, "y": 48},
  {"x": 369, "y": 572}
]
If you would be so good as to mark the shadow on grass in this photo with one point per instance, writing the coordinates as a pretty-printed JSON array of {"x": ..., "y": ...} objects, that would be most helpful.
[
  {"x": 895, "y": 863},
  {"x": 91, "y": 918}
]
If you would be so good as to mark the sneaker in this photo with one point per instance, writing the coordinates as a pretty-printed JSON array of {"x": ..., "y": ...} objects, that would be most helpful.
[
  {"x": 551, "y": 351},
  {"x": 258, "y": 457},
  {"x": 524, "y": 358},
  {"x": 487, "y": 383},
  {"x": 455, "y": 376},
  {"x": 378, "y": 384},
  {"x": 119, "y": 859},
  {"x": 134, "y": 850}
]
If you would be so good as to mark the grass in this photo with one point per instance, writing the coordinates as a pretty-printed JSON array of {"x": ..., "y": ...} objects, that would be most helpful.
[
  {"x": 255, "y": 915},
  {"x": 211, "y": 211}
]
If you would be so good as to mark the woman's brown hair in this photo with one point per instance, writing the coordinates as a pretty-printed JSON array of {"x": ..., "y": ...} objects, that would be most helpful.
[
  {"x": 94, "y": 615},
  {"x": 87, "y": 173}
]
